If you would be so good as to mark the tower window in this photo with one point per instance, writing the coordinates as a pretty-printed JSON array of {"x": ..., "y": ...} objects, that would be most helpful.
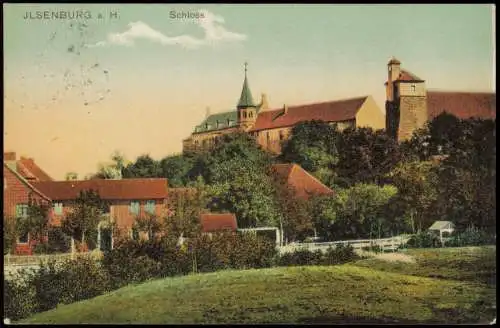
[
  {"x": 250, "y": 114},
  {"x": 244, "y": 114}
]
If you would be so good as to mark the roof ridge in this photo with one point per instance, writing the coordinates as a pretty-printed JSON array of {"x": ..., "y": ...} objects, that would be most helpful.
[
  {"x": 27, "y": 183},
  {"x": 318, "y": 103},
  {"x": 314, "y": 178},
  {"x": 460, "y": 91}
]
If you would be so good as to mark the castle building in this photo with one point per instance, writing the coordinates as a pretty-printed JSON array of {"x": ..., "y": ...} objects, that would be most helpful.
[
  {"x": 271, "y": 127},
  {"x": 409, "y": 105}
]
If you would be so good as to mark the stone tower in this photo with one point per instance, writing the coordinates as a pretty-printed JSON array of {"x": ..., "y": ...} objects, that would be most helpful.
[
  {"x": 406, "y": 102},
  {"x": 247, "y": 110}
]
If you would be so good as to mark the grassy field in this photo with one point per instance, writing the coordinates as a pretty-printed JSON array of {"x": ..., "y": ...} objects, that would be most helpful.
[{"x": 440, "y": 288}]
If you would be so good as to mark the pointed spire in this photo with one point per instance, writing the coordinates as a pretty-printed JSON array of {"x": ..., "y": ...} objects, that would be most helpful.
[{"x": 246, "y": 99}]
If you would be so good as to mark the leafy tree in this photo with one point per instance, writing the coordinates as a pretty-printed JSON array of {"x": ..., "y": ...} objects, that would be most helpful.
[
  {"x": 236, "y": 171},
  {"x": 176, "y": 169},
  {"x": 185, "y": 207},
  {"x": 10, "y": 234},
  {"x": 36, "y": 222},
  {"x": 294, "y": 212},
  {"x": 113, "y": 170},
  {"x": 312, "y": 145},
  {"x": 71, "y": 176},
  {"x": 143, "y": 167},
  {"x": 365, "y": 156},
  {"x": 87, "y": 211},
  {"x": 148, "y": 223},
  {"x": 355, "y": 212},
  {"x": 416, "y": 183}
]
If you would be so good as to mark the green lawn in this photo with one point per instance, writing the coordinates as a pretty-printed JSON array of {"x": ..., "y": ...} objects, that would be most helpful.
[{"x": 366, "y": 291}]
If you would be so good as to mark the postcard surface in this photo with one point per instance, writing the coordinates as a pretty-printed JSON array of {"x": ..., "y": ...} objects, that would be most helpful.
[{"x": 183, "y": 163}]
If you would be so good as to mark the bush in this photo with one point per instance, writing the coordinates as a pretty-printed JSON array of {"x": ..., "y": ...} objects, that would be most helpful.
[
  {"x": 470, "y": 237},
  {"x": 41, "y": 290},
  {"x": 372, "y": 248},
  {"x": 19, "y": 299},
  {"x": 424, "y": 239},
  {"x": 129, "y": 262},
  {"x": 338, "y": 255},
  {"x": 341, "y": 254}
]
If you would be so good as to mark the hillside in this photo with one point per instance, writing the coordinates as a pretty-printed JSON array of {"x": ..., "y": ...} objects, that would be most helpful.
[{"x": 350, "y": 293}]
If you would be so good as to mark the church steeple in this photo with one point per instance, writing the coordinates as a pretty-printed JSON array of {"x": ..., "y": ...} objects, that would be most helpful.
[{"x": 246, "y": 99}]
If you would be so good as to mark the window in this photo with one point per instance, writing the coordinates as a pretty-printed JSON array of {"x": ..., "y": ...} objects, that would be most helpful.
[
  {"x": 22, "y": 210},
  {"x": 58, "y": 208},
  {"x": 268, "y": 136},
  {"x": 24, "y": 238},
  {"x": 282, "y": 135},
  {"x": 244, "y": 114},
  {"x": 150, "y": 206},
  {"x": 250, "y": 114},
  {"x": 135, "y": 207},
  {"x": 413, "y": 88},
  {"x": 134, "y": 233}
]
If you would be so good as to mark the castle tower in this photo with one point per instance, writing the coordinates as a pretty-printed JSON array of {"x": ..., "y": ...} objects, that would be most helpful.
[
  {"x": 247, "y": 110},
  {"x": 406, "y": 102}
]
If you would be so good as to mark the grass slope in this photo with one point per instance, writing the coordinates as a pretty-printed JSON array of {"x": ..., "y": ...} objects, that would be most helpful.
[{"x": 350, "y": 293}]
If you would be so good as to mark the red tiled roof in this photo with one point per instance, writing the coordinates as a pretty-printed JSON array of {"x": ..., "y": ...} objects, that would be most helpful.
[
  {"x": 405, "y": 76},
  {"x": 130, "y": 189},
  {"x": 218, "y": 221},
  {"x": 29, "y": 184},
  {"x": 33, "y": 169},
  {"x": 463, "y": 105},
  {"x": 304, "y": 183},
  {"x": 333, "y": 111}
]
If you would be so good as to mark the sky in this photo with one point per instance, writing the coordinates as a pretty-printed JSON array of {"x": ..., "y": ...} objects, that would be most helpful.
[{"x": 138, "y": 78}]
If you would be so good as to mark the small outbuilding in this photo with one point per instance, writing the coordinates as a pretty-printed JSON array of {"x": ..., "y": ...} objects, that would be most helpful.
[{"x": 443, "y": 228}]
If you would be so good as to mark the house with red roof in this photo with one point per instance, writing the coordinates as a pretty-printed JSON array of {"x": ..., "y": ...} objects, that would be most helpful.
[
  {"x": 271, "y": 127},
  {"x": 128, "y": 199},
  {"x": 304, "y": 183},
  {"x": 410, "y": 105}
]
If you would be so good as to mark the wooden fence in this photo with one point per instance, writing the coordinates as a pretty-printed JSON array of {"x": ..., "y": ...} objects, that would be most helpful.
[{"x": 385, "y": 244}]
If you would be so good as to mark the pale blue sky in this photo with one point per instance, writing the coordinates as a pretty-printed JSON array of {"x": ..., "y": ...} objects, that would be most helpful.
[{"x": 153, "y": 94}]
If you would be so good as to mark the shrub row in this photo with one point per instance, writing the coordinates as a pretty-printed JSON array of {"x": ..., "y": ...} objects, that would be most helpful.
[
  {"x": 338, "y": 255},
  {"x": 470, "y": 237},
  {"x": 43, "y": 289},
  {"x": 137, "y": 261}
]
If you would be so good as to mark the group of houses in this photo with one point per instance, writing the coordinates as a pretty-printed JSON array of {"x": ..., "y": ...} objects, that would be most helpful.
[{"x": 26, "y": 183}]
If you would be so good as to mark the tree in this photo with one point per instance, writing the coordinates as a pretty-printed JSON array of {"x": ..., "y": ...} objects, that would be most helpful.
[
  {"x": 36, "y": 222},
  {"x": 416, "y": 182},
  {"x": 365, "y": 156},
  {"x": 185, "y": 207},
  {"x": 10, "y": 234},
  {"x": 148, "y": 223},
  {"x": 236, "y": 171},
  {"x": 312, "y": 145},
  {"x": 355, "y": 212},
  {"x": 294, "y": 212},
  {"x": 143, "y": 167},
  {"x": 70, "y": 176},
  {"x": 176, "y": 169},
  {"x": 88, "y": 210}
]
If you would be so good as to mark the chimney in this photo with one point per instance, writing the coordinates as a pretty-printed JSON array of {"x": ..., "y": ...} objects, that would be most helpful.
[
  {"x": 9, "y": 156},
  {"x": 285, "y": 109},
  {"x": 263, "y": 102}
]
